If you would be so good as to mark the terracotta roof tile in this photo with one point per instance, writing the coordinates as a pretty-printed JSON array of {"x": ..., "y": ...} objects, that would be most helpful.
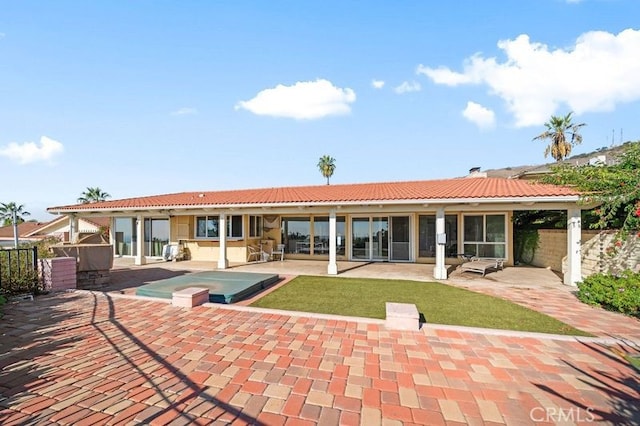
[
  {"x": 447, "y": 189},
  {"x": 24, "y": 228}
]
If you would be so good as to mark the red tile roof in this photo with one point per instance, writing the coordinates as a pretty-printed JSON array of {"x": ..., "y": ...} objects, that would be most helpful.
[
  {"x": 24, "y": 229},
  {"x": 419, "y": 191}
]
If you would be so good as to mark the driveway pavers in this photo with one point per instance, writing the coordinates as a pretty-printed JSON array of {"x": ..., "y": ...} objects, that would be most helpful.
[{"x": 99, "y": 358}]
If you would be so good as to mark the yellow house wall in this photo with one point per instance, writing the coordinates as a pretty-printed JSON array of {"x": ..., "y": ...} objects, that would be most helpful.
[{"x": 182, "y": 230}]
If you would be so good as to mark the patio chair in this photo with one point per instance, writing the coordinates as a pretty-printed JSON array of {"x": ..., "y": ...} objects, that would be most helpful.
[
  {"x": 253, "y": 253},
  {"x": 482, "y": 265},
  {"x": 279, "y": 252}
]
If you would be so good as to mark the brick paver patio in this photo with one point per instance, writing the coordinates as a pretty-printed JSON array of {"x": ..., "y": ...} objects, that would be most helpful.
[{"x": 93, "y": 358}]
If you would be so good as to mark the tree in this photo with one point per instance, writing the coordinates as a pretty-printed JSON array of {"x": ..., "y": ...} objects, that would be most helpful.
[
  {"x": 615, "y": 188},
  {"x": 11, "y": 214},
  {"x": 93, "y": 195},
  {"x": 558, "y": 130},
  {"x": 327, "y": 166}
]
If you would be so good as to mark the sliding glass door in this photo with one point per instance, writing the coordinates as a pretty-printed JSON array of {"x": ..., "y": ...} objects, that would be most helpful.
[
  {"x": 156, "y": 235},
  {"x": 360, "y": 238},
  {"x": 401, "y": 238},
  {"x": 381, "y": 238}
]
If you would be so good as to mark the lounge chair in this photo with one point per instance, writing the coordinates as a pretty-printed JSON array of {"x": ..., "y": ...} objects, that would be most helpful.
[{"x": 482, "y": 265}]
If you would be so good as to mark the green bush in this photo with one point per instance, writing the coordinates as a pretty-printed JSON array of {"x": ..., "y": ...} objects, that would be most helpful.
[
  {"x": 27, "y": 282},
  {"x": 614, "y": 293}
]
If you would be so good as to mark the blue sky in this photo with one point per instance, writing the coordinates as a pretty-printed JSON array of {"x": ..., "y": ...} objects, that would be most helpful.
[{"x": 153, "y": 97}]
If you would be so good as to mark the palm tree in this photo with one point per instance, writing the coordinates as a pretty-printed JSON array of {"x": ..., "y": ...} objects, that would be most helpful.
[
  {"x": 93, "y": 195},
  {"x": 327, "y": 166},
  {"x": 558, "y": 129},
  {"x": 11, "y": 214}
]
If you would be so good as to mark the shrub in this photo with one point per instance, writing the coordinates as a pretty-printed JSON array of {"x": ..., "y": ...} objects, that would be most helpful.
[{"x": 619, "y": 293}]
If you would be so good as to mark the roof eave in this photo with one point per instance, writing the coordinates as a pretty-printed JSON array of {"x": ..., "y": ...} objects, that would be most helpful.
[{"x": 335, "y": 203}]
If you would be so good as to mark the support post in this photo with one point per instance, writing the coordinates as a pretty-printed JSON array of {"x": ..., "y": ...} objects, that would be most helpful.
[
  {"x": 223, "y": 262},
  {"x": 14, "y": 222},
  {"x": 573, "y": 273},
  {"x": 440, "y": 270},
  {"x": 141, "y": 259},
  {"x": 112, "y": 234},
  {"x": 332, "y": 268},
  {"x": 73, "y": 229}
]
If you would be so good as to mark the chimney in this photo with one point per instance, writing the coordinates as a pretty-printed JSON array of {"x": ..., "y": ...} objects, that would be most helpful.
[{"x": 475, "y": 172}]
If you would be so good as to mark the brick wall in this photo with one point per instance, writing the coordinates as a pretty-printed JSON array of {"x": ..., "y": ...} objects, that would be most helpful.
[
  {"x": 58, "y": 273},
  {"x": 598, "y": 252}
]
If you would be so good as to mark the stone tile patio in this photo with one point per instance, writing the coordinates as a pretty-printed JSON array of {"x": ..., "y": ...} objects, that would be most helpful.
[{"x": 106, "y": 358}]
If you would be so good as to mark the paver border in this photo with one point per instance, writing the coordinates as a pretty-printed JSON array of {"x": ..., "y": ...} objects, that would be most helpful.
[{"x": 424, "y": 327}]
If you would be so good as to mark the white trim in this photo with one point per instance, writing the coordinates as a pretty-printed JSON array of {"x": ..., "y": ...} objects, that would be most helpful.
[
  {"x": 335, "y": 203},
  {"x": 574, "y": 250}
]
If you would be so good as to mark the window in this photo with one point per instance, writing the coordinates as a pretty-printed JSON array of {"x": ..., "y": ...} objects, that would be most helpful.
[
  {"x": 296, "y": 234},
  {"x": 427, "y": 244},
  {"x": 485, "y": 235},
  {"x": 208, "y": 227},
  {"x": 255, "y": 226},
  {"x": 321, "y": 235},
  {"x": 234, "y": 226},
  {"x": 126, "y": 236},
  {"x": 156, "y": 235}
]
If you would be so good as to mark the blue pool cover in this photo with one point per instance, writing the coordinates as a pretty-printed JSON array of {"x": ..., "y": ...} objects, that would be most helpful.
[{"x": 223, "y": 286}]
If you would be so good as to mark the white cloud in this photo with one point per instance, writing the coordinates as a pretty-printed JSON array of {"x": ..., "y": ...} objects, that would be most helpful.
[
  {"x": 305, "y": 100},
  {"x": 407, "y": 87},
  {"x": 377, "y": 84},
  {"x": 185, "y": 111},
  {"x": 600, "y": 71},
  {"x": 30, "y": 152},
  {"x": 482, "y": 117}
]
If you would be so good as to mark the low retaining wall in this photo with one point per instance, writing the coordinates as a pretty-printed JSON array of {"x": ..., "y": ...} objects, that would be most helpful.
[{"x": 93, "y": 280}]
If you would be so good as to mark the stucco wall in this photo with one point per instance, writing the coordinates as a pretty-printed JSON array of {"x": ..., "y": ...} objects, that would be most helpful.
[{"x": 598, "y": 252}]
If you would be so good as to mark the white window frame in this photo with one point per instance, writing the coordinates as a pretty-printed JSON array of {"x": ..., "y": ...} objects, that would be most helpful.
[
  {"x": 484, "y": 241},
  {"x": 229, "y": 221},
  {"x": 256, "y": 230}
]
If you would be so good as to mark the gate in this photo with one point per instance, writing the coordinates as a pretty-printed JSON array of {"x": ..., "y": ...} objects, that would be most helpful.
[{"x": 18, "y": 270}]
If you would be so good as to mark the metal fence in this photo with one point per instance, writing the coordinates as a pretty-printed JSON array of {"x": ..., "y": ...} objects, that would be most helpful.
[{"x": 18, "y": 270}]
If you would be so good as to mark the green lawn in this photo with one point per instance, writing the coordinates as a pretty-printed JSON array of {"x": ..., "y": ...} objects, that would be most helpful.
[{"x": 438, "y": 303}]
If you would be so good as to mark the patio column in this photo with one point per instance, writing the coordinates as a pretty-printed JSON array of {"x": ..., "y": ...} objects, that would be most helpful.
[
  {"x": 440, "y": 270},
  {"x": 73, "y": 229},
  {"x": 573, "y": 273},
  {"x": 141, "y": 259},
  {"x": 332, "y": 268},
  {"x": 223, "y": 262},
  {"x": 112, "y": 234}
]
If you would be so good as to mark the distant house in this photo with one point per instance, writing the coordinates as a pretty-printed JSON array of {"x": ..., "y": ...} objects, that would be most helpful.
[
  {"x": 602, "y": 156},
  {"x": 89, "y": 230},
  {"x": 431, "y": 221}
]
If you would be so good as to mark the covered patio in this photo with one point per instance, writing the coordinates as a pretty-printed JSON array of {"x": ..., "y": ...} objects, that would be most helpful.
[{"x": 520, "y": 276}]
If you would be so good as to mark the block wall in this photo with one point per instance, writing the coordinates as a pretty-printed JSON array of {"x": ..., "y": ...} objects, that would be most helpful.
[
  {"x": 58, "y": 273},
  {"x": 599, "y": 251}
]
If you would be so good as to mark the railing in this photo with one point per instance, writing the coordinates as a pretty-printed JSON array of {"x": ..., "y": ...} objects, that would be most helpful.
[{"x": 18, "y": 270}]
